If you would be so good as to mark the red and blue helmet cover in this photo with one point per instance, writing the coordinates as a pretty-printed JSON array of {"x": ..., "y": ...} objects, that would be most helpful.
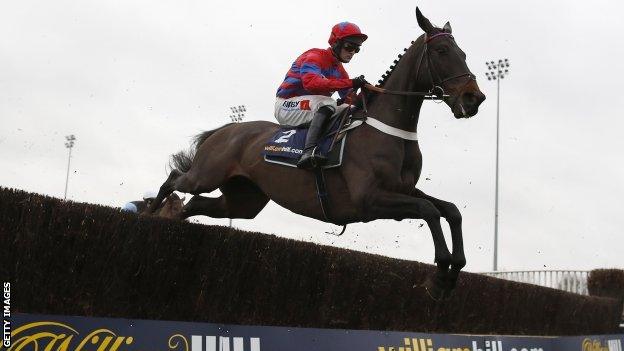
[{"x": 343, "y": 30}]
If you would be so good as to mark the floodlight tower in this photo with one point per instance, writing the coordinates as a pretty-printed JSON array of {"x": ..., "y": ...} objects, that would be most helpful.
[
  {"x": 238, "y": 113},
  {"x": 497, "y": 71},
  {"x": 237, "y": 116},
  {"x": 69, "y": 143}
]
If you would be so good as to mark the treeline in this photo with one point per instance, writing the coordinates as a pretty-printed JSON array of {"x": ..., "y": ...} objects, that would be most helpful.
[{"x": 81, "y": 259}]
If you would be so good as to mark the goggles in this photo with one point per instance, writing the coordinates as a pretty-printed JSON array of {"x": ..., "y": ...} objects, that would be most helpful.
[{"x": 351, "y": 47}]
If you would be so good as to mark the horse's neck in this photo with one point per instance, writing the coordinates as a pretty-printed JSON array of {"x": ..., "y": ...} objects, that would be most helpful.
[{"x": 397, "y": 110}]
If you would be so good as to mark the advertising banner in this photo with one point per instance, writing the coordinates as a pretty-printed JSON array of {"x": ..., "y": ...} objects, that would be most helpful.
[{"x": 31, "y": 332}]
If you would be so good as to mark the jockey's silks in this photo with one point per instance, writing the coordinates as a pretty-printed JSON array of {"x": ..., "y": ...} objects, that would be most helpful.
[{"x": 315, "y": 72}]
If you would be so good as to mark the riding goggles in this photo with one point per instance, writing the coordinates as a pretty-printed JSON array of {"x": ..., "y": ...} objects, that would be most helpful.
[{"x": 350, "y": 47}]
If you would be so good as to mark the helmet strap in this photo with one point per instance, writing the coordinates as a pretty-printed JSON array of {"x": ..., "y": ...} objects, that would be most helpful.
[{"x": 336, "y": 49}]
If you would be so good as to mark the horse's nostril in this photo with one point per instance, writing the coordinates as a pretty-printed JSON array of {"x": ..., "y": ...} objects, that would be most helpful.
[
  {"x": 473, "y": 99},
  {"x": 469, "y": 98}
]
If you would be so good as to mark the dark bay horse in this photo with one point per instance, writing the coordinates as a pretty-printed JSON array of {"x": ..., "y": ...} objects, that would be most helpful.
[{"x": 378, "y": 177}]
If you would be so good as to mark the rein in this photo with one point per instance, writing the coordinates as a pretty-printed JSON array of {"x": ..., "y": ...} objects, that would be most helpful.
[{"x": 429, "y": 95}]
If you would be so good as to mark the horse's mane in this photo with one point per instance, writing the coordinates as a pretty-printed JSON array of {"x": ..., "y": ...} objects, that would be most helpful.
[
  {"x": 370, "y": 96},
  {"x": 385, "y": 76}
]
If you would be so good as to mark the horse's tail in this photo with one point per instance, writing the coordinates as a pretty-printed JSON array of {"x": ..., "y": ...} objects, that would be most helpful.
[{"x": 183, "y": 160}]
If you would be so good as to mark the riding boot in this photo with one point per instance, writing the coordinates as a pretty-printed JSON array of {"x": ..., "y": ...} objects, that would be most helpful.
[{"x": 312, "y": 157}]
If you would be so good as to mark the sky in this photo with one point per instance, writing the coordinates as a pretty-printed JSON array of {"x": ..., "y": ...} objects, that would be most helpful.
[{"x": 135, "y": 80}]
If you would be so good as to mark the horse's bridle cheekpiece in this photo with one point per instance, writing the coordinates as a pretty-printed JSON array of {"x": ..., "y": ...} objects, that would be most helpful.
[{"x": 438, "y": 87}]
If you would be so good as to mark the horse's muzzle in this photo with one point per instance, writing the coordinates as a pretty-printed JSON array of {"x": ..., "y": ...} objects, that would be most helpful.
[{"x": 467, "y": 105}]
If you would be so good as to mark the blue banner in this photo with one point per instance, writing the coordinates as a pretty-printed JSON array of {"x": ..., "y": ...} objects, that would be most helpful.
[{"x": 31, "y": 332}]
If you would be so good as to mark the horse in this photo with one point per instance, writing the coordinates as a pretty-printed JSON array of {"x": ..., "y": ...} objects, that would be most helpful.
[{"x": 380, "y": 168}]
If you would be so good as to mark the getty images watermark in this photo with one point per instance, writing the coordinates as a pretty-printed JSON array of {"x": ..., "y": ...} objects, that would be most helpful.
[{"x": 6, "y": 314}]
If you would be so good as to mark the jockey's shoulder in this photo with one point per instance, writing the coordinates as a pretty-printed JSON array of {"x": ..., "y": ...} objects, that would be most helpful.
[
  {"x": 322, "y": 57},
  {"x": 317, "y": 53}
]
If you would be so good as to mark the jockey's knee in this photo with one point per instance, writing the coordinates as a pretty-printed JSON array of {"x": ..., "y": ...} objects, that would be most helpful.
[{"x": 327, "y": 110}]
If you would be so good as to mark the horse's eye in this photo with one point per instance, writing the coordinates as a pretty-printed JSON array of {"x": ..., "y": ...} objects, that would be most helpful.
[{"x": 442, "y": 50}]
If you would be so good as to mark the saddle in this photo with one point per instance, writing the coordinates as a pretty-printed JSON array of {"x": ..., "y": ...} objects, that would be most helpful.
[{"x": 286, "y": 145}]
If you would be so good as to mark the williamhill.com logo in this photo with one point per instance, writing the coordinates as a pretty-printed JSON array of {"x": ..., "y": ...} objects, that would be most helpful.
[{"x": 417, "y": 344}]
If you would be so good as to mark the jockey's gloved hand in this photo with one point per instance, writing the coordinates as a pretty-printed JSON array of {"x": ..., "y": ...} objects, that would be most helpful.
[
  {"x": 348, "y": 99},
  {"x": 359, "y": 82}
]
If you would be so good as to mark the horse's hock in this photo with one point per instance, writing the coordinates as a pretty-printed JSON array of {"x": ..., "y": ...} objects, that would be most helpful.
[{"x": 78, "y": 259}]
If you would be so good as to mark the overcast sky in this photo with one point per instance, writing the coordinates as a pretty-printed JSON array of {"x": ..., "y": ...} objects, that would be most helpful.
[{"x": 135, "y": 80}]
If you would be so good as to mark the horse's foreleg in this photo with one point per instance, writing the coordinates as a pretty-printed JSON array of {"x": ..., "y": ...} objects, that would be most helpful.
[
  {"x": 165, "y": 190},
  {"x": 384, "y": 205},
  {"x": 452, "y": 215}
]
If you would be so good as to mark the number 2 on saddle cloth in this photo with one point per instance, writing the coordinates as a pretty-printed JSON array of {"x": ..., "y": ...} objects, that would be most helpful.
[{"x": 286, "y": 146}]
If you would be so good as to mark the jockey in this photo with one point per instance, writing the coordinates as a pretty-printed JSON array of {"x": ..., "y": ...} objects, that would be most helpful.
[
  {"x": 140, "y": 206},
  {"x": 305, "y": 95}
]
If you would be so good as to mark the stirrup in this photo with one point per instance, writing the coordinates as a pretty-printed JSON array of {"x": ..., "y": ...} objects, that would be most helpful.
[{"x": 311, "y": 160}]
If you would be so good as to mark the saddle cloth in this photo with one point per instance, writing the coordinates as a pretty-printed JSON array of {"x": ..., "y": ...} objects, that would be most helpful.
[{"x": 286, "y": 146}]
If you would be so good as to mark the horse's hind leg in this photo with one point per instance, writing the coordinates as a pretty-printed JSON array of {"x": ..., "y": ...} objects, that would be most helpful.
[
  {"x": 165, "y": 189},
  {"x": 207, "y": 206},
  {"x": 241, "y": 199}
]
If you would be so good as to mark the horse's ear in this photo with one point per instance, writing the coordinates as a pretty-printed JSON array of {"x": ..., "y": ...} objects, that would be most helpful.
[
  {"x": 423, "y": 22},
  {"x": 447, "y": 28}
]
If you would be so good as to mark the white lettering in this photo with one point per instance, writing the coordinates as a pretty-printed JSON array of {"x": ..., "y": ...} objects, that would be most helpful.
[
  {"x": 223, "y": 343},
  {"x": 6, "y": 334},
  {"x": 284, "y": 138},
  {"x": 614, "y": 345},
  {"x": 6, "y": 313},
  {"x": 494, "y": 345}
]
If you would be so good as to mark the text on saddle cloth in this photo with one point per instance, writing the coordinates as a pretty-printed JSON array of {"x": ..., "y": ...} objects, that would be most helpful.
[{"x": 289, "y": 142}]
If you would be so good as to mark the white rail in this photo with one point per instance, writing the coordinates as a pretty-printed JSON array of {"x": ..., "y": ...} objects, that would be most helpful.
[{"x": 570, "y": 281}]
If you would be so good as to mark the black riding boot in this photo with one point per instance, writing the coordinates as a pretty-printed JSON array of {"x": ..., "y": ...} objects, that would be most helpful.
[{"x": 312, "y": 157}]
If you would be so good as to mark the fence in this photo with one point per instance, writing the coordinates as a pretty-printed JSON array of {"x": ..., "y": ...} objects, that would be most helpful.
[{"x": 570, "y": 281}]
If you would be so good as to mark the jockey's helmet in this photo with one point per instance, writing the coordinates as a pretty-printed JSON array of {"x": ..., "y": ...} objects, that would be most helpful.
[
  {"x": 343, "y": 30},
  {"x": 130, "y": 207}
]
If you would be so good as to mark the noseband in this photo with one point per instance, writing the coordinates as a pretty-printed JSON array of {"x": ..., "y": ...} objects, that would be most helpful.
[{"x": 436, "y": 92}]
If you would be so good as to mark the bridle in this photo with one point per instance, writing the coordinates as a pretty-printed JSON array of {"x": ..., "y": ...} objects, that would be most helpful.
[{"x": 437, "y": 91}]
